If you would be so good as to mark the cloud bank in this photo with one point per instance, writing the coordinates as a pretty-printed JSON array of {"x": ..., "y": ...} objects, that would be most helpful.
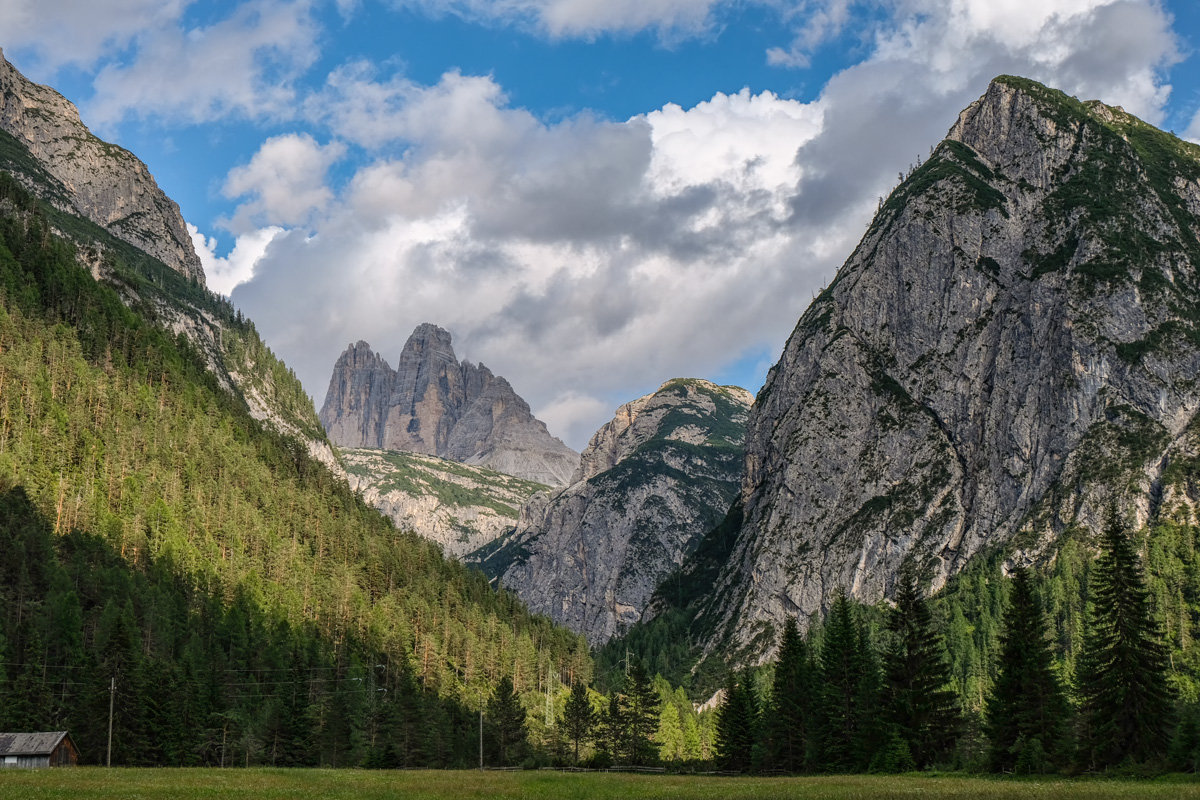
[{"x": 585, "y": 259}]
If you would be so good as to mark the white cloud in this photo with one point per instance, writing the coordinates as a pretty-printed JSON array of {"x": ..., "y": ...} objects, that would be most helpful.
[
  {"x": 223, "y": 274},
  {"x": 562, "y": 18},
  {"x": 243, "y": 65},
  {"x": 589, "y": 260},
  {"x": 577, "y": 258},
  {"x": 285, "y": 180},
  {"x": 1193, "y": 131},
  {"x": 60, "y": 32}
]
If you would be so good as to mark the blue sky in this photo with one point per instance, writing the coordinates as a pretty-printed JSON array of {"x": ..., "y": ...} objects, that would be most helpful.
[{"x": 593, "y": 196}]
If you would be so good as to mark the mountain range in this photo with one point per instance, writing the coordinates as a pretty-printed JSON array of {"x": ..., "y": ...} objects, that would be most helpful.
[{"x": 1013, "y": 345}]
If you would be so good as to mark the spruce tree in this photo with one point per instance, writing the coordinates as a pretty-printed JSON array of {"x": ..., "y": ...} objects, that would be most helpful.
[
  {"x": 610, "y": 730},
  {"x": 641, "y": 706},
  {"x": 790, "y": 718},
  {"x": 507, "y": 717},
  {"x": 919, "y": 704},
  {"x": 846, "y": 701},
  {"x": 1027, "y": 710},
  {"x": 578, "y": 716},
  {"x": 736, "y": 724},
  {"x": 1126, "y": 704}
]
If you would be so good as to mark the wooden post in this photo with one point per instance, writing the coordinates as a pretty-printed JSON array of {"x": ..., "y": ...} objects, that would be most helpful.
[{"x": 112, "y": 693}]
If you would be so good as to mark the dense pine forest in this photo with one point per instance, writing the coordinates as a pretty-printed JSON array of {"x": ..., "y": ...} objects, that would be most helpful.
[
  {"x": 245, "y": 604},
  {"x": 237, "y": 604}
]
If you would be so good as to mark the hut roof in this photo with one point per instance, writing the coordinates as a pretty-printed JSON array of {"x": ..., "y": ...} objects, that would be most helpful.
[{"x": 30, "y": 744}]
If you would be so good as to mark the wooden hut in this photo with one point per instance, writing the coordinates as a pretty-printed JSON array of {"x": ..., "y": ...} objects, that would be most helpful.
[{"x": 30, "y": 750}]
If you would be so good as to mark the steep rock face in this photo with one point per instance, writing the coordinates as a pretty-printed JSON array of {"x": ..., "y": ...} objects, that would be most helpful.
[
  {"x": 461, "y": 507},
  {"x": 650, "y": 484},
  {"x": 102, "y": 182},
  {"x": 434, "y": 405},
  {"x": 1015, "y": 339}
]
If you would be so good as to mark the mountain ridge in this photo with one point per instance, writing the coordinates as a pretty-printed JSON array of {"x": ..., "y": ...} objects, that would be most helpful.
[
  {"x": 1008, "y": 347},
  {"x": 100, "y": 181},
  {"x": 434, "y": 405},
  {"x": 649, "y": 484}
]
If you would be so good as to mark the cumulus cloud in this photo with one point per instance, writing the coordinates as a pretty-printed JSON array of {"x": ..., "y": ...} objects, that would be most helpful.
[
  {"x": 285, "y": 180},
  {"x": 243, "y": 65},
  {"x": 560, "y": 18},
  {"x": 223, "y": 274},
  {"x": 575, "y": 258},
  {"x": 60, "y": 32},
  {"x": 588, "y": 260}
]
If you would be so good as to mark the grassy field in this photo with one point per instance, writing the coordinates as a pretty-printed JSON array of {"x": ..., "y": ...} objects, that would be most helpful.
[{"x": 310, "y": 784}]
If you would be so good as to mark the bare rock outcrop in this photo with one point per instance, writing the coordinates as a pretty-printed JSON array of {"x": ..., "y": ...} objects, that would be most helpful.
[
  {"x": 650, "y": 484},
  {"x": 434, "y": 405},
  {"x": 96, "y": 180},
  {"x": 1015, "y": 340}
]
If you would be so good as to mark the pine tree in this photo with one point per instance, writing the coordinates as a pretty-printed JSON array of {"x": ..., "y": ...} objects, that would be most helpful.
[
  {"x": 610, "y": 730},
  {"x": 1126, "y": 704},
  {"x": 640, "y": 712},
  {"x": 917, "y": 699},
  {"x": 1027, "y": 710},
  {"x": 578, "y": 718},
  {"x": 790, "y": 718},
  {"x": 507, "y": 718},
  {"x": 847, "y": 688},
  {"x": 737, "y": 720}
]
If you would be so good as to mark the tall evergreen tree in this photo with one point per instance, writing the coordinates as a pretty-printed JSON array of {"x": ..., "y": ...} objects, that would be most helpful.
[
  {"x": 846, "y": 702},
  {"x": 790, "y": 719},
  {"x": 1027, "y": 710},
  {"x": 1126, "y": 704},
  {"x": 918, "y": 702},
  {"x": 610, "y": 729},
  {"x": 578, "y": 717},
  {"x": 737, "y": 721},
  {"x": 640, "y": 703},
  {"x": 507, "y": 718}
]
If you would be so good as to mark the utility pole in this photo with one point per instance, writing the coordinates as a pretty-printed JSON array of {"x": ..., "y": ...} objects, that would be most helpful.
[
  {"x": 481, "y": 738},
  {"x": 112, "y": 693}
]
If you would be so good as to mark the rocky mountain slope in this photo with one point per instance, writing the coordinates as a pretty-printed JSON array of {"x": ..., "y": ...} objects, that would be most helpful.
[
  {"x": 130, "y": 236},
  {"x": 459, "y": 506},
  {"x": 434, "y": 405},
  {"x": 1015, "y": 340},
  {"x": 94, "y": 179},
  {"x": 649, "y": 485},
  {"x": 162, "y": 517}
]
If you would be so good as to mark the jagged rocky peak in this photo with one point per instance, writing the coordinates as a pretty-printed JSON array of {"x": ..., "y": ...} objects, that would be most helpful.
[
  {"x": 433, "y": 404},
  {"x": 651, "y": 483},
  {"x": 97, "y": 180},
  {"x": 1013, "y": 342}
]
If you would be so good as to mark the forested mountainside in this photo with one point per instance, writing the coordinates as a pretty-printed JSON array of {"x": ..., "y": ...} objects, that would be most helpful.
[
  {"x": 651, "y": 482},
  {"x": 159, "y": 534},
  {"x": 1013, "y": 345}
]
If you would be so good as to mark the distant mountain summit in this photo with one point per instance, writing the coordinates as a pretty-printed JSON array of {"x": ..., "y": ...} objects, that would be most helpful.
[
  {"x": 434, "y": 405},
  {"x": 86, "y": 176},
  {"x": 650, "y": 484}
]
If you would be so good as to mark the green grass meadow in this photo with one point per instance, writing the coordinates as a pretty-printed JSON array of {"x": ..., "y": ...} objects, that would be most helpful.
[{"x": 83, "y": 783}]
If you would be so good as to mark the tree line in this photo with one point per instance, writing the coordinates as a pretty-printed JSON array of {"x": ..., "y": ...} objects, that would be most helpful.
[{"x": 844, "y": 702}]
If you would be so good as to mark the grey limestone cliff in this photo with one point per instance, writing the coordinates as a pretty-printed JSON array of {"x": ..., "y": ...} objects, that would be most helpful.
[
  {"x": 96, "y": 180},
  {"x": 434, "y": 405},
  {"x": 459, "y": 506},
  {"x": 650, "y": 483},
  {"x": 1015, "y": 340}
]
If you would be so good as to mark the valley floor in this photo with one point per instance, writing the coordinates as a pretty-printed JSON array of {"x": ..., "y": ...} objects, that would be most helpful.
[{"x": 85, "y": 783}]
